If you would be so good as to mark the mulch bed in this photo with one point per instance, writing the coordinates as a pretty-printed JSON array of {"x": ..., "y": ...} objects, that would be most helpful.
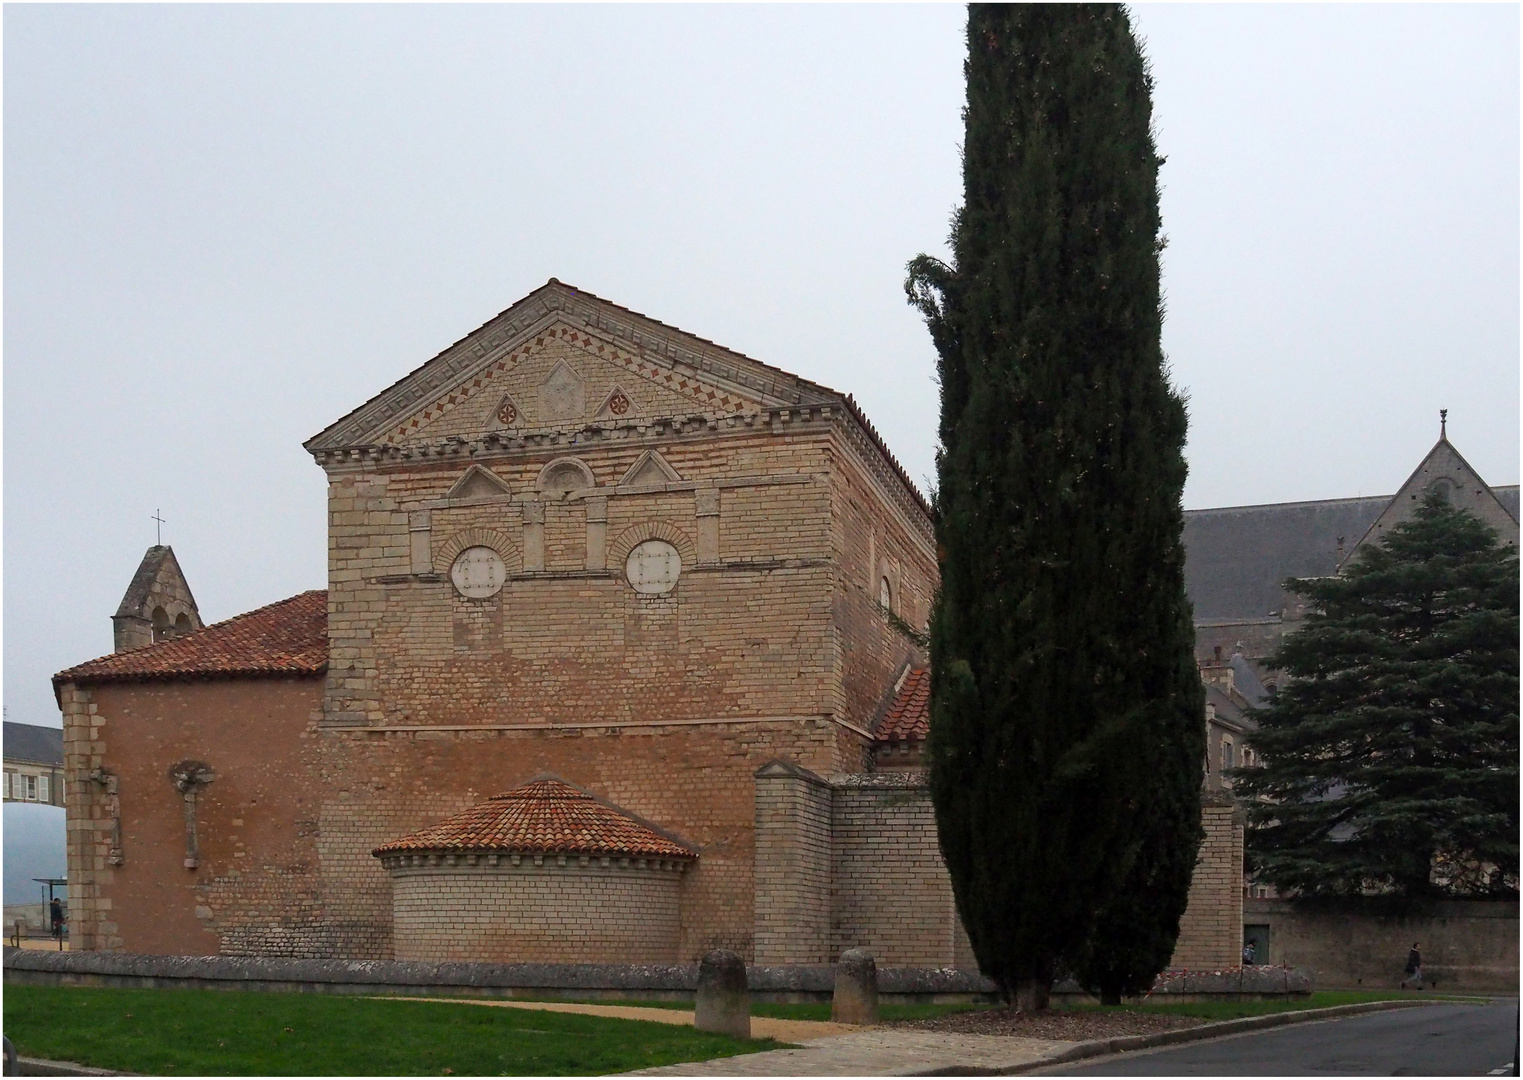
[{"x": 1063, "y": 1025}]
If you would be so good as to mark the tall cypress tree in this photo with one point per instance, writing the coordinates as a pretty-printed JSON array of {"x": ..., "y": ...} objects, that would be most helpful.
[{"x": 1067, "y": 711}]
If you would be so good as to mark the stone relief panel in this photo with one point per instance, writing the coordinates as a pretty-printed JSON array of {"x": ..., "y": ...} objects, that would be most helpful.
[
  {"x": 563, "y": 394},
  {"x": 508, "y": 414},
  {"x": 563, "y": 476},
  {"x": 616, "y": 405}
]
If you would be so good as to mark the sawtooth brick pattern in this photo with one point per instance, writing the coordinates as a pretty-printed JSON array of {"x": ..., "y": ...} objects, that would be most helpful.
[{"x": 547, "y": 910}]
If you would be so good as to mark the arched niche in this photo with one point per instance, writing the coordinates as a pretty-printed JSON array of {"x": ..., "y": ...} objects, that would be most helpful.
[{"x": 563, "y": 476}]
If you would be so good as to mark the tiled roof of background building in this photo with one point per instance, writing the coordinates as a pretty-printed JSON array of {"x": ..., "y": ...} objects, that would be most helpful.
[
  {"x": 33, "y": 744},
  {"x": 1236, "y": 556},
  {"x": 285, "y": 638},
  {"x": 908, "y": 717},
  {"x": 545, "y": 815}
]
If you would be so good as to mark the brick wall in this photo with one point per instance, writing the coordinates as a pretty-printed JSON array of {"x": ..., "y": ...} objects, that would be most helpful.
[
  {"x": 255, "y": 885},
  {"x": 793, "y": 866},
  {"x": 875, "y": 539},
  {"x": 1211, "y": 929},
  {"x": 890, "y": 890},
  {"x": 544, "y": 910}
]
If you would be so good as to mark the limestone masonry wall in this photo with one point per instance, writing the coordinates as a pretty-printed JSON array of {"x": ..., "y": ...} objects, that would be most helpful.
[
  {"x": 1362, "y": 943},
  {"x": 693, "y": 780},
  {"x": 891, "y": 892},
  {"x": 556, "y": 912},
  {"x": 1211, "y": 929},
  {"x": 792, "y": 876}
]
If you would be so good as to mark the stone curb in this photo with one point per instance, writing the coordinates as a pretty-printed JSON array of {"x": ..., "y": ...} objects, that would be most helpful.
[
  {"x": 1124, "y": 1043},
  {"x": 26, "y": 1066}
]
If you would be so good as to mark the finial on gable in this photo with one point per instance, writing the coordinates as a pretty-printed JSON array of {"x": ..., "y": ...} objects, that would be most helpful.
[{"x": 1443, "y": 423}]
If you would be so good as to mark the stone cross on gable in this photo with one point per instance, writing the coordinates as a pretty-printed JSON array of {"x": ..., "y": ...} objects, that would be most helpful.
[{"x": 158, "y": 528}]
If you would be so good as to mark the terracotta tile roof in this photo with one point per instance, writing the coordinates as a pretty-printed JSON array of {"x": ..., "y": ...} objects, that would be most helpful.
[
  {"x": 545, "y": 815},
  {"x": 908, "y": 716},
  {"x": 286, "y": 638}
]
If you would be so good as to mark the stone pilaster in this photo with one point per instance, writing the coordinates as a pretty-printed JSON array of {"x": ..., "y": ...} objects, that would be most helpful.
[{"x": 792, "y": 866}]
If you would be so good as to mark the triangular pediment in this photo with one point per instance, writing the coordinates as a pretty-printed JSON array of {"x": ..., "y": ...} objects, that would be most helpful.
[
  {"x": 480, "y": 483},
  {"x": 650, "y": 470},
  {"x": 1444, "y": 468},
  {"x": 534, "y": 355}
]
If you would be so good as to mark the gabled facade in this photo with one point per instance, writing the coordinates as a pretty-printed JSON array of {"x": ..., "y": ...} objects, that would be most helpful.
[
  {"x": 578, "y": 542},
  {"x": 1237, "y": 557}
]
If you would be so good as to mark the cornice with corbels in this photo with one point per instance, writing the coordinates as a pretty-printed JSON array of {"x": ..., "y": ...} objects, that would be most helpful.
[{"x": 859, "y": 434}]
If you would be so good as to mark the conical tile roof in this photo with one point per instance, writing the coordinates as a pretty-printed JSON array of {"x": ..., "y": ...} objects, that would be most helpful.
[{"x": 545, "y": 815}]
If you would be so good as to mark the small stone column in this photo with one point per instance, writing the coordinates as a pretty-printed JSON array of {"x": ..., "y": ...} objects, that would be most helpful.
[
  {"x": 856, "y": 996},
  {"x": 724, "y": 1000}
]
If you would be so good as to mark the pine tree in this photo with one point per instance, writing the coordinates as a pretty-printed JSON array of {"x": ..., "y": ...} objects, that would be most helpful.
[
  {"x": 1390, "y": 758},
  {"x": 1067, "y": 711}
]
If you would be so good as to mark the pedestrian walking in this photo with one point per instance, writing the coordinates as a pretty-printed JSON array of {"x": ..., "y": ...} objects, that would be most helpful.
[
  {"x": 55, "y": 913},
  {"x": 1414, "y": 968}
]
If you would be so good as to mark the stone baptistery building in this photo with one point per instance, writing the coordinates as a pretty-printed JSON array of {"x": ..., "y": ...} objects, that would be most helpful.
[{"x": 617, "y": 662}]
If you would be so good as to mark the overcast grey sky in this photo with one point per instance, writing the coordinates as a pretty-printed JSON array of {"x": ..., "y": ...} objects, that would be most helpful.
[{"x": 227, "y": 226}]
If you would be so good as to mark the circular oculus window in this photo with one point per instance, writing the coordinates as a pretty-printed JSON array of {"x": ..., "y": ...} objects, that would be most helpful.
[
  {"x": 478, "y": 572},
  {"x": 653, "y": 567}
]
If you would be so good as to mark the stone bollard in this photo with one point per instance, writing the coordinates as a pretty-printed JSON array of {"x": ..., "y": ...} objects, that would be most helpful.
[
  {"x": 856, "y": 998},
  {"x": 724, "y": 1001}
]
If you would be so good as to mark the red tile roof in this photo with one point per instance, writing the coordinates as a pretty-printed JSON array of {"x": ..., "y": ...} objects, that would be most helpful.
[
  {"x": 545, "y": 815},
  {"x": 286, "y": 638},
  {"x": 909, "y": 715}
]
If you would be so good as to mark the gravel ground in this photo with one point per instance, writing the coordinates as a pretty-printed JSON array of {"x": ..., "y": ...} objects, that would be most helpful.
[{"x": 1066, "y": 1025}]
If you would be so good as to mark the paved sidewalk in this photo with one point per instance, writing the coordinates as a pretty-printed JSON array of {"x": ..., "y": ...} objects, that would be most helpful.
[
  {"x": 879, "y": 1052},
  {"x": 762, "y": 1027}
]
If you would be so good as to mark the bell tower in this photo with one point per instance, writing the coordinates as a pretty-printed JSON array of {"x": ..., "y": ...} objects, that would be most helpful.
[{"x": 158, "y": 605}]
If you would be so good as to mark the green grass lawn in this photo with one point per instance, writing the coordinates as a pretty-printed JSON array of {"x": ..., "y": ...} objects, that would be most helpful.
[{"x": 231, "y": 1033}]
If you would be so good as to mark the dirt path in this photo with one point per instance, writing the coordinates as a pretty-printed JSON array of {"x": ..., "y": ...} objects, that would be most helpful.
[{"x": 762, "y": 1027}]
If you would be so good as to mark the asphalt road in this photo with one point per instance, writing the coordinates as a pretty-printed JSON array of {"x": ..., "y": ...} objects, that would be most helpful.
[{"x": 1434, "y": 1040}]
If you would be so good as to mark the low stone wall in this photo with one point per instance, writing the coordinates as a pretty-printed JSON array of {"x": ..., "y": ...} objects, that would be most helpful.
[
  {"x": 658, "y": 982},
  {"x": 1363, "y": 943},
  {"x": 628, "y": 982}
]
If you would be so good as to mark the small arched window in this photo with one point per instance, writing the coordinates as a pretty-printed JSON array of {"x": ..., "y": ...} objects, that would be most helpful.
[
  {"x": 161, "y": 625},
  {"x": 182, "y": 625},
  {"x": 885, "y": 595},
  {"x": 1443, "y": 487}
]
